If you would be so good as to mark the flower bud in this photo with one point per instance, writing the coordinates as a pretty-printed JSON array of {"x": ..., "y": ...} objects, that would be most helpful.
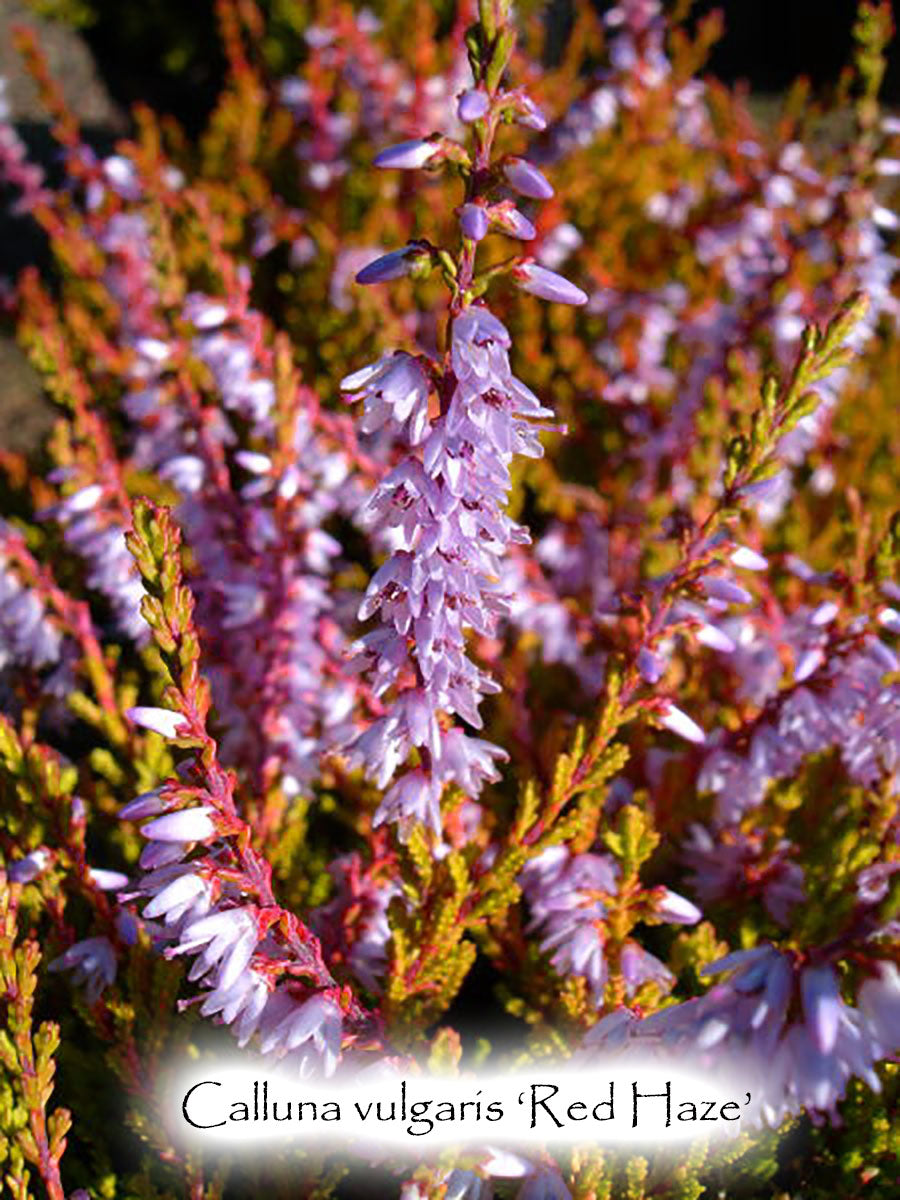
[
  {"x": 406, "y": 156},
  {"x": 148, "y": 804},
  {"x": 825, "y": 613},
  {"x": 106, "y": 881},
  {"x": 82, "y": 500},
  {"x": 884, "y": 218},
  {"x": 680, "y": 723},
  {"x": 749, "y": 560},
  {"x": 808, "y": 663},
  {"x": 650, "y": 665},
  {"x": 511, "y": 221},
  {"x": 181, "y": 890},
  {"x": 677, "y": 909},
  {"x": 473, "y": 105},
  {"x": 712, "y": 636},
  {"x": 394, "y": 265},
  {"x": 24, "y": 870},
  {"x": 161, "y": 720},
  {"x": 252, "y": 461},
  {"x": 187, "y": 825},
  {"x": 529, "y": 115},
  {"x": 473, "y": 221},
  {"x": 526, "y": 179},
  {"x": 725, "y": 589},
  {"x": 547, "y": 284}
]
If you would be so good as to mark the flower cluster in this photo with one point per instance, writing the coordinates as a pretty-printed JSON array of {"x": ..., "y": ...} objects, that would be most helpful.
[
  {"x": 217, "y": 905},
  {"x": 751, "y": 1021},
  {"x": 444, "y": 502},
  {"x": 565, "y": 893}
]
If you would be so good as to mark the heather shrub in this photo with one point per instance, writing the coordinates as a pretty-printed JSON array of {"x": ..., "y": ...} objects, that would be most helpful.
[{"x": 453, "y": 619}]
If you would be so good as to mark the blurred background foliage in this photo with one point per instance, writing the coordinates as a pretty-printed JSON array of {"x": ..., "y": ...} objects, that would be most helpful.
[{"x": 167, "y": 53}]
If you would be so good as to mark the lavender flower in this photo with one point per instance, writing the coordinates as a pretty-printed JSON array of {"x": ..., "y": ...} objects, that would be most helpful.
[
  {"x": 749, "y": 559},
  {"x": 364, "y": 900},
  {"x": 853, "y": 710},
  {"x": 241, "y": 1004},
  {"x": 650, "y": 665},
  {"x": 447, "y": 506},
  {"x": 821, "y": 1005},
  {"x": 213, "y": 924},
  {"x": 544, "y": 1184},
  {"x": 394, "y": 389},
  {"x": 92, "y": 963},
  {"x": 720, "y": 588},
  {"x": 187, "y": 892},
  {"x": 529, "y": 115},
  {"x": 676, "y": 910},
  {"x": 509, "y": 220},
  {"x": 748, "y": 1020},
  {"x": 28, "y": 635},
  {"x": 106, "y": 881},
  {"x": 562, "y": 894}
]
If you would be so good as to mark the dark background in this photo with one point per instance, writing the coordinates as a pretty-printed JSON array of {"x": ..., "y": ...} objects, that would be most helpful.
[{"x": 771, "y": 42}]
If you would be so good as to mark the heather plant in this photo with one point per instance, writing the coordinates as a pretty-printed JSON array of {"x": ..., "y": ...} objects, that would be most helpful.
[{"x": 453, "y": 619}]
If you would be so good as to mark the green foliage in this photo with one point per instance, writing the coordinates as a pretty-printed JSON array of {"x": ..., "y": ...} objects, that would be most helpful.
[{"x": 29, "y": 1133}]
